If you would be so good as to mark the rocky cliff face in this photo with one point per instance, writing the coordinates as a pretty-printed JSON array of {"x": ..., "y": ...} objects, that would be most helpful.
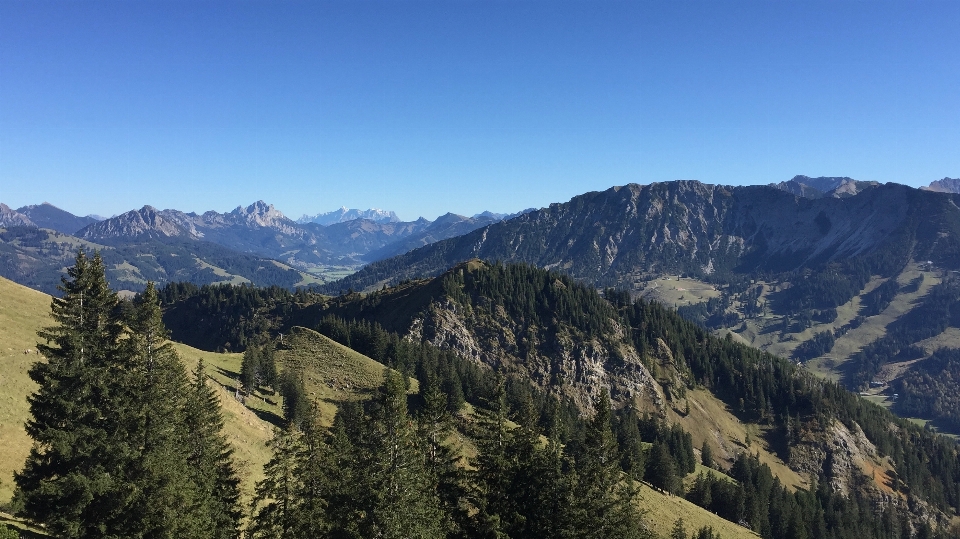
[
  {"x": 10, "y": 217},
  {"x": 618, "y": 236},
  {"x": 579, "y": 368},
  {"x": 847, "y": 458},
  {"x": 946, "y": 185},
  {"x": 147, "y": 222}
]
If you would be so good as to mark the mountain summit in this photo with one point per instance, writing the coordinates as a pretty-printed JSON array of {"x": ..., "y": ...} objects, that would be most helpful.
[{"x": 343, "y": 214}]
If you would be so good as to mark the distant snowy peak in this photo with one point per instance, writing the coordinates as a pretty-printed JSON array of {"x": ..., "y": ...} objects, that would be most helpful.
[
  {"x": 343, "y": 214},
  {"x": 823, "y": 186}
]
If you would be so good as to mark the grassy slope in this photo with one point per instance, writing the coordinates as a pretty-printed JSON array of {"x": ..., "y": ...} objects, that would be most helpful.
[
  {"x": 764, "y": 333},
  {"x": 247, "y": 431},
  {"x": 710, "y": 420},
  {"x": 333, "y": 372},
  {"x": 662, "y": 511},
  {"x": 675, "y": 292},
  {"x": 22, "y": 312}
]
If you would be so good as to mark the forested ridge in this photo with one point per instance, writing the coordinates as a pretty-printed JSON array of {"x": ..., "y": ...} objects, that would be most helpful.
[{"x": 758, "y": 387}]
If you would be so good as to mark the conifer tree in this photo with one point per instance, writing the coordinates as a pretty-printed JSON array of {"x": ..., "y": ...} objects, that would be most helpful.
[
  {"x": 73, "y": 481},
  {"x": 441, "y": 461},
  {"x": 250, "y": 369},
  {"x": 706, "y": 455},
  {"x": 661, "y": 469},
  {"x": 210, "y": 459},
  {"x": 275, "y": 507},
  {"x": 539, "y": 492},
  {"x": 316, "y": 472},
  {"x": 398, "y": 499},
  {"x": 491, "y": 478},
  {"x": 157, "y": 399},
  {"x": 679, "y": 530},
  {"x": 603, "y": 496},
  {"x": 341, "y": 472}
]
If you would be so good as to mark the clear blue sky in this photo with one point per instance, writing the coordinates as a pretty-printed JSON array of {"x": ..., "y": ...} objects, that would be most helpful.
[{"x": 463, "y": 106}]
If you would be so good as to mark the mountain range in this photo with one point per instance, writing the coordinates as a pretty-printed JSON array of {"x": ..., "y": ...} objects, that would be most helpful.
[
  {"x": 37, "y": 240},
  {"x": 624, "y": 235}
]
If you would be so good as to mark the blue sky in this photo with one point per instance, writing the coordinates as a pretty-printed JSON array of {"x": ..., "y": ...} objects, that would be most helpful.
[{"x": 463, "y": 106}]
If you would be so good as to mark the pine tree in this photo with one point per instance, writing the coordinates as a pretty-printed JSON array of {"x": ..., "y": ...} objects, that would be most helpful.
[
  {"x": 706, "y": 455},
  {"x": 157, "y": 398},
  {"x": 210, "y": 458},
  {"x": 397, "y": 495},
  {"x": 73, "y": 481},
  {"x": 492, "y": 470},
  {"x": 316, "y": 473},
  {"x": 341, "y": 473},
  {"x": 661, "y": 469},
  {"x": 441, "y": 461},
  {"x": 603, "y": 497},
  {"x": 250, "y": 369},
  {"x": 539, "y": 492},
  {"x": 679, "y": 530},
  {"x": 275, "y": 506}
]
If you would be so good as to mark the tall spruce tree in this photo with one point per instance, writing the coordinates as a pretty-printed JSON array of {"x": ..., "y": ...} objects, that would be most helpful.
[
  {"x": 603, "y": 496},
  {"x": 492, "y": 471},
  {"x": 74, "y": 480},
  {"x": 157, "y": 399},
  {"x": 276, "y": 504},
  {"x": 434, "y": 425},
  {"x": 398, "y": 497},
  {"x": 210, "y": 458}
]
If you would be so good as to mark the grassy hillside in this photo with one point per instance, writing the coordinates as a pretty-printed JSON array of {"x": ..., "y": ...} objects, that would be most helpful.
[
  {"x": 334, "y": 373},
  {"x": 22, "y": 312},
  {"x": 661, "y": 511}
]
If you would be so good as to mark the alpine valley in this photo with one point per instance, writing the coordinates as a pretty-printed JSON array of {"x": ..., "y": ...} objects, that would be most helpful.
[{"x": 755, "y": 361}]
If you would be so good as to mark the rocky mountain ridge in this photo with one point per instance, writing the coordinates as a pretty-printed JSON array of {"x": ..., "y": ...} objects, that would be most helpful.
[
  {"x": 241, "y": 238},
  {"x": 11, "y": 217},
  {"x": 823, "y": 186},
  {"x": 620, "y": 236},
  {"x": 946, "y": 185},
  {"x": 262, "y": 229}
]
